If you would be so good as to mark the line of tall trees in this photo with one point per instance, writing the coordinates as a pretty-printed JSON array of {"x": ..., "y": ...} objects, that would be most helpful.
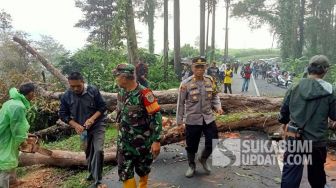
[
  {"x": 303, "y": 27},
  {"x": 110, "y": 22}
]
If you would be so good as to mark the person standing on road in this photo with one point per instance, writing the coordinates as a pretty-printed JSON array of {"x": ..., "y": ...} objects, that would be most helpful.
[
  {"x": 228, "y": 79},
  {"x": 83, "y": 108},
  {"x": 196, "y": 100},
  {"x": 304, "y": 113},
  {"x": 222, "y": 68},
  {"x": 246, "y": 74},
  {"x": 140, "y": 126}
]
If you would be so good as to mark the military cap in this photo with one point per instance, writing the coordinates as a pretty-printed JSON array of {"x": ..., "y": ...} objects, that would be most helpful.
[
  {"x": 124, "y": 68},
  {"x": 199, "y": 61}
]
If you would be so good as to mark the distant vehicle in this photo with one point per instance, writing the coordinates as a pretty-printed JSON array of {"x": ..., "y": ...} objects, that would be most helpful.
[{"x": 281, "y": 80}]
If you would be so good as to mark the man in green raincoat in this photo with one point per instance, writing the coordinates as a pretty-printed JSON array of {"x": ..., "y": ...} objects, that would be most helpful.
[{"x": 13, "y": 129}]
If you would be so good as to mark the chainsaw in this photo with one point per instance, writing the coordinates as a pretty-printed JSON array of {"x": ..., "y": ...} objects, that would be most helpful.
[{"x": 32, "y": 145}]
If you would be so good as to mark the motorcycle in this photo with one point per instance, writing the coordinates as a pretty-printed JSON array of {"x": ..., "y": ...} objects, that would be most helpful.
[
  {"x": 272, "y": 77},
  {"x": 285, "y": 81}
]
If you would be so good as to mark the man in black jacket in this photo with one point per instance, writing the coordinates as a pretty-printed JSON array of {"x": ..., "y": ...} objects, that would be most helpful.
[
  {"x": 306, "y": 108},
  {"x": 83, "y": 108}
]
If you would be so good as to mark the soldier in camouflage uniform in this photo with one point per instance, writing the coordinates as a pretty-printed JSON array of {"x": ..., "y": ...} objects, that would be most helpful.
[
  {"x": 196, "y": 101},
  {"x": 140, "y": 125}
]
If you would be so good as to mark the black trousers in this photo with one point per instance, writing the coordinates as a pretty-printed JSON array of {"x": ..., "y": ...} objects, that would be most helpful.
[
  {"x": 193, "y": 135},
  {"x": 94, "y": 151},
  {"x": 226, "y": 87},
  {"x": 292, "y": 173}
]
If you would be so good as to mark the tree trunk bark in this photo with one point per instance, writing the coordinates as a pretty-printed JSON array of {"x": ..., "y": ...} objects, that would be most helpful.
[
  {"x": 261, "y": 122},
  {"x": 202, "y": 27},
  {"x": 301, "y": 27},
  {"x": 171, "y": 134},
  {"x": 132, "y": 44},
  {"x": 151, "y": 14},
  {"x": 177, "y": 55},
  {"x": 44, "y": 61},
  {"x": 226, "y": 49},
  {"x": 55, "y": 132},
  {"x": 165, "y": 42},
  {"x": 207, "y": 32},
  {"x": 232, "y": 103},
  {"x": 61, "y": 158},
  {"x": 213, "y": 36}
]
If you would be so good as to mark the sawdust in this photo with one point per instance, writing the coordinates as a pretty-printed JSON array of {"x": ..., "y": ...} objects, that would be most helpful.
[{"x": 43, "y": 177}]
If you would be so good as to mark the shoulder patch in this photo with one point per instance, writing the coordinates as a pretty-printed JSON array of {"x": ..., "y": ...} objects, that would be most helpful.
[
  {"x": 149, "y": 101},
  {"x": 150, "y": 97},
  {"x": 209, "y": 77}
]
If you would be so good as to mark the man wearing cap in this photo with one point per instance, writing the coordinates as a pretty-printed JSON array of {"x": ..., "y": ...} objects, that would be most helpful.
[
  {"x": 83, "y": 108},
  {"x": 306, "y": 108},
  {"x": 196, "y": 100},
  {"x": 140, "y": 125}
]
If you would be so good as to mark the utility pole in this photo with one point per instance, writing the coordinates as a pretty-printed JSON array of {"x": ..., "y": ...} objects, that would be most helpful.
[{"x": 226, "y": 49}]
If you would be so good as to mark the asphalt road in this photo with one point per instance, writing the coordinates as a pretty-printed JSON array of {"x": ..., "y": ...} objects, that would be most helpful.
[{"x": 169, "y": 168}]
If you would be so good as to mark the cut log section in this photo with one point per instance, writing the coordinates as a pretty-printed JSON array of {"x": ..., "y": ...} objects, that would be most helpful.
[
  {"x": 261, "y": 122},
  {"x": 170, "y": 134},
  {"x": 61, "y": 158}
]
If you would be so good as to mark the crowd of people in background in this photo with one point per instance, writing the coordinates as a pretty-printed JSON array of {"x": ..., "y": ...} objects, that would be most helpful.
[{"x": 259, "y": 69}]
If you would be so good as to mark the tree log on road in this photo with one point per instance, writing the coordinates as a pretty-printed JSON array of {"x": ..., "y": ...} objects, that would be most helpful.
[
  {"x": 61, "y": 158},
  {"x": 168, "y": 100},
  {"x": 171, "y": 134}
]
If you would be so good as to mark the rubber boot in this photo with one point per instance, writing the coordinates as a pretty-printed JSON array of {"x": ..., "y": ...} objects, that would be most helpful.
[
  {"x": 203, "y": 160},
  {"x": 143, "y": 181},
  {"x": 130, "y": 183},
  {"x": 192, "y": 166}
]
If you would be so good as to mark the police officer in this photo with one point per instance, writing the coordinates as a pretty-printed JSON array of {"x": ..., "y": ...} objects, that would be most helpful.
[
  {"x": 140, "y": 125},
  {"x": 197, "y": 97}
]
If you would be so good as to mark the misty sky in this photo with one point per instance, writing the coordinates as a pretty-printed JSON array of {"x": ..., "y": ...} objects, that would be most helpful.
[{"x": 58, "y": 17}]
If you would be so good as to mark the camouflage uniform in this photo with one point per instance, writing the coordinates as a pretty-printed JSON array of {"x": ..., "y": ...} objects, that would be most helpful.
[{"x": 140, "y": 124}]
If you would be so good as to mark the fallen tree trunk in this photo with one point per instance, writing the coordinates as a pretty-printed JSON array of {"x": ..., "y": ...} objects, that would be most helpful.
[
  {"x": 44, "y": 61},
  {"x": 262, "y": 122},
  {"x": 168, "y": 100},
  {"x": 55, "y": 132},
  {"x": 61, "y": 158},
  {"x": 170, "y": 134}
]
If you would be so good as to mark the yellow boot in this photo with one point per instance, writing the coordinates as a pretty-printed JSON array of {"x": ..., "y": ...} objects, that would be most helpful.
[
  {"x": 130, "y": 183},
  {"x": 143, "y": 182}
]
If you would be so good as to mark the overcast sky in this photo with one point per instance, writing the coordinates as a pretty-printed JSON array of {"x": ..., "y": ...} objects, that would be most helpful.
[{"x": 58, "y": 17}]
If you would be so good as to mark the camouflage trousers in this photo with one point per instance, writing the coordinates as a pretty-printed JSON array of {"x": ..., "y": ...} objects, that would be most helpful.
[{"x": 127, "y": 163}]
